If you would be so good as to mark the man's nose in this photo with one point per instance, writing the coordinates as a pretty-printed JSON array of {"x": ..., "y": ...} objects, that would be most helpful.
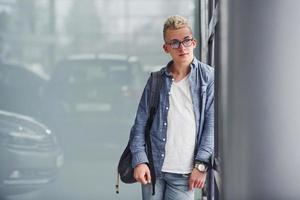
[{"x": 181, "y": 46}]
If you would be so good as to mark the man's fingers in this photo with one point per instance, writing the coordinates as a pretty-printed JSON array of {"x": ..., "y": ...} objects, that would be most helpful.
[
  {"x": 202, "y": 185},
  {"x": 197, "y": 179},
  {"x": 199, "y": 185},
  {"x": 191, "y": 184},
  {"x": 142, "y": 173},
  {"x": 196, "y": 184},
  {"x": 148, "y": 176},
  {"x": 143, "y": 180}
]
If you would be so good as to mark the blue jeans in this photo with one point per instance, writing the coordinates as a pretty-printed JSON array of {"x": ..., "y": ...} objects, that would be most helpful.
[{"x": 170, "y": 187}]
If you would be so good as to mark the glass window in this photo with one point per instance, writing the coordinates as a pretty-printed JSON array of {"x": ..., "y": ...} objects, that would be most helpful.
[{"x": 97, "y": 56}]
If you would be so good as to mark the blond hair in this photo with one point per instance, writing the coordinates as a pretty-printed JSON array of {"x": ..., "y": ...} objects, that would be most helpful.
[{"x": 175, "y": 22}]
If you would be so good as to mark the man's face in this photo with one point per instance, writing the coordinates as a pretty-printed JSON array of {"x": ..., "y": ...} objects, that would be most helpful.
[{"x": 180, "y": 45}]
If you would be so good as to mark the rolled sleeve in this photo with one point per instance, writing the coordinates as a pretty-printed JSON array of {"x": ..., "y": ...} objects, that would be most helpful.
[{"x": 138, "y": 158}]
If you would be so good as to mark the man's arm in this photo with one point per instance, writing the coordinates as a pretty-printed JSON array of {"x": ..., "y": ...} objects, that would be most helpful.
[
  {"x": 137, "y": 133},
  {"x": 206, "y": 147}
]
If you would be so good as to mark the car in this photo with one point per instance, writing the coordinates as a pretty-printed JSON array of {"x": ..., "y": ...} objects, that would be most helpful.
[
  {"x": 21, "y": 89},
  {"x": 30, "y": 154},
  {"x": 95, "y": 88}
]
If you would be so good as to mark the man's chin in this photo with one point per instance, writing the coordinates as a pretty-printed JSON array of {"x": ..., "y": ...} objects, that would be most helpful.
[{"x": 184, "y": 58}]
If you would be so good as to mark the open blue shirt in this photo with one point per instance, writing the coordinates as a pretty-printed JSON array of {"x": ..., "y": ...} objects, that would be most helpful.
[{"x": 201, "y": 82}]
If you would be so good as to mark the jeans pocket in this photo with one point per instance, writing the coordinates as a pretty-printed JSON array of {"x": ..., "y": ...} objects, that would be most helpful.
[{"x": 186, "y": 175}]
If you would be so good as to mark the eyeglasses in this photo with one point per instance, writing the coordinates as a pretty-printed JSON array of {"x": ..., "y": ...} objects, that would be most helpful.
[{"x": 175, "y": 44}]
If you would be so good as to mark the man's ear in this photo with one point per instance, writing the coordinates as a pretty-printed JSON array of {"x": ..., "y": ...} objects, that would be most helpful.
[
  {"x": 195, "y": 43},
  {"x": 165, "y": 48}
]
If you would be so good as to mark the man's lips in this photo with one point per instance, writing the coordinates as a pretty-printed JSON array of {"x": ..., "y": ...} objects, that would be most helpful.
[{"x": 183, "y": 54}]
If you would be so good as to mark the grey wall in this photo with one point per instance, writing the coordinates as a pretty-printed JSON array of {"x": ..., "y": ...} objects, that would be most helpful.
[{"x": 259, "y": 91}]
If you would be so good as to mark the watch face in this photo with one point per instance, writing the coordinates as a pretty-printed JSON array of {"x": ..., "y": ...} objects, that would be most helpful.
[{"x": 201, "y": 167}]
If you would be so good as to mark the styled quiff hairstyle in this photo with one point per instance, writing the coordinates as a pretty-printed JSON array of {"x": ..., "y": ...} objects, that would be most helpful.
[{"x": 175, "y": 22}]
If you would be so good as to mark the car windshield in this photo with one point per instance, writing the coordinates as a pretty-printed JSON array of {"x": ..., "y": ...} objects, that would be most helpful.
[
  {"x": 82, "y": 80},
  {"x": 93, "y": 72}
]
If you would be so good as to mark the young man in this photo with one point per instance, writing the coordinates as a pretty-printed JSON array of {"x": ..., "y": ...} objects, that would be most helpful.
[{"x": 182, "y": 133}]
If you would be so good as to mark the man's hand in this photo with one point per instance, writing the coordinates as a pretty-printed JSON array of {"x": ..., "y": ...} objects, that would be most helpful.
[
  {"x": 142, "y": 174},
  {"x": 197, "y": 179}
]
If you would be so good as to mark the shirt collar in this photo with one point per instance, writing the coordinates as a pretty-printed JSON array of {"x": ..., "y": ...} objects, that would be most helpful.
[{"x": 166, "y": 70}]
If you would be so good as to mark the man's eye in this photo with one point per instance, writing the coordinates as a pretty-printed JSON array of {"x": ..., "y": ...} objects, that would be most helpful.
[{"x": 174, "y": 42}]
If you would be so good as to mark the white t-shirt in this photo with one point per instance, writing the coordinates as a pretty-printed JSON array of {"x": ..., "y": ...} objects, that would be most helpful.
[{"x": 181, "y": 132}]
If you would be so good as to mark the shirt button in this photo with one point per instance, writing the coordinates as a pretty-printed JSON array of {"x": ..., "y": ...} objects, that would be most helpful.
[
  {"x": 164, "y": 139},
  {"x": 173, "y": 79},
  {"x": 167, "y": 108},
  {"x": 169, "y": 93},
  {"x": 165, "y": 124},
  {"x": 162, "y": 155}
]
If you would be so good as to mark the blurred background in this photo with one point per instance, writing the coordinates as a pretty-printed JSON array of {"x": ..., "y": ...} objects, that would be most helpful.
[{"x": 71, "y": 75}]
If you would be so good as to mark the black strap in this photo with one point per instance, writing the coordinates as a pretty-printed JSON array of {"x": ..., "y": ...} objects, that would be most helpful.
[{"x": 156, "y": 82}]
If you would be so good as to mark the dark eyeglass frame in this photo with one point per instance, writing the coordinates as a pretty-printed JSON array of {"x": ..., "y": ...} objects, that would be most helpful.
[{"x": 175, "y": 44}]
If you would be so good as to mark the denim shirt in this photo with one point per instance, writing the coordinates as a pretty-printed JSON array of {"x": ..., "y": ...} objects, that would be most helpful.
[{"x": 201, "y": 82}]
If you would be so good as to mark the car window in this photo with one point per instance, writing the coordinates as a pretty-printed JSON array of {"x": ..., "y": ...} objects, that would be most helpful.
[{"x": 92, "y": 72}]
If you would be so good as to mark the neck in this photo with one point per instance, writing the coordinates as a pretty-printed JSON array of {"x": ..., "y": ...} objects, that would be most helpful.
[{"x": 180, "y": 70}]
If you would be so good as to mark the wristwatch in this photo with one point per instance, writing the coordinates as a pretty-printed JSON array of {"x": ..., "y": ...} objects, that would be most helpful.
[{"x": 201, "y": 167}]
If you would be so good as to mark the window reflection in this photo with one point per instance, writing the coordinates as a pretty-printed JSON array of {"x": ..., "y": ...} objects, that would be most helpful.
[{"x": 77, "y": 69}]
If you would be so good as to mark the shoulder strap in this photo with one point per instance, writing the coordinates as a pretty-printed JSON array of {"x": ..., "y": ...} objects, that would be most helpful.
[{"x": 156, "y": 83}]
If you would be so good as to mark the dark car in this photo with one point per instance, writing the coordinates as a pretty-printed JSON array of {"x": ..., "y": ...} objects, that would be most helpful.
[
  {"x": 30, "y": 155},
  {"x": 22, "y": 89},
  {"x": 95, "y": 87}
]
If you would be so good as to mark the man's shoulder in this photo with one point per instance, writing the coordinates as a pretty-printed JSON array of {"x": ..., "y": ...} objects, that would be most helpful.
[
  {"x": 206, "y": 71},
  {"x": 203, "y": 66}
]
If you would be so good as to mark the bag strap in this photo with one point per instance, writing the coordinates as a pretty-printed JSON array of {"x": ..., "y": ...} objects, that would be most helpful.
[
  {"x": 155, "y": 90},
  {"x": 156, "y": 83}
]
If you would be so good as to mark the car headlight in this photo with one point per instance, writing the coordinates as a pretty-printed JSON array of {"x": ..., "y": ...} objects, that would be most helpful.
[
  {"x": 22, "y": 139},
  {"x": 26, "y": 136}
]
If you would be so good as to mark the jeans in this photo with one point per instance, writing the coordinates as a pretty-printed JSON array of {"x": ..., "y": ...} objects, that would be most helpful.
[{"x": 169, "y": 187}]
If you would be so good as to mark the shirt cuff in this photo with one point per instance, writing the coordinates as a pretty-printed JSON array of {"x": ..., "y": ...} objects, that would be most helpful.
[
  {"x": 138, "y": 158},
  {"x": 203, "y": 156}
]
